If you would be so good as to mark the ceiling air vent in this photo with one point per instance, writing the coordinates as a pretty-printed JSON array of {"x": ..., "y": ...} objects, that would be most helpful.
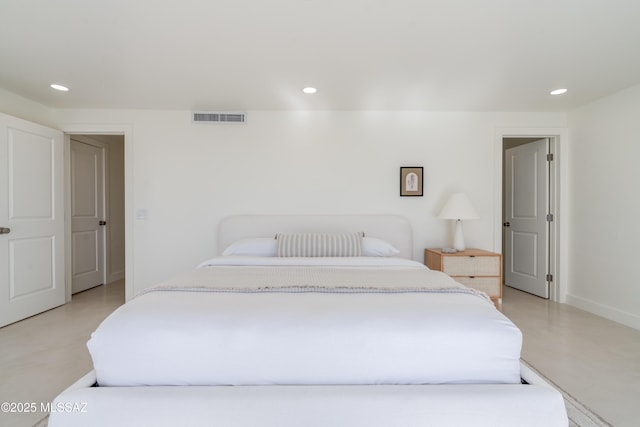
[{"x": 219, "y": 117}]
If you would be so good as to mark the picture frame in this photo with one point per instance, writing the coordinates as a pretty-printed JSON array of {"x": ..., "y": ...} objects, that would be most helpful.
[{"x": 411, "y": 182}]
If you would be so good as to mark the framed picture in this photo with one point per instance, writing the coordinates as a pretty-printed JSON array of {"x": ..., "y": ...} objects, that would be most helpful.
[{"x": 411, "y": 181}]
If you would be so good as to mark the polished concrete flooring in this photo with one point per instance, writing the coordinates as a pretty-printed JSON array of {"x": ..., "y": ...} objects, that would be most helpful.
[
  {"x": 593, "y": 359},
  {"x": 44, "y": 354}
]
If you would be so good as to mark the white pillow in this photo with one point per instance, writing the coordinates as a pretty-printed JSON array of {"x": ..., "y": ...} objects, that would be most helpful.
[
  {"x": 377, "y": 247},
  {"x": 257, "y": 246}
]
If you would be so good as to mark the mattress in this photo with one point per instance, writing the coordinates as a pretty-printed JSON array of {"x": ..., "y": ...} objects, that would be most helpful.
[{"x": 273, "y": 321}]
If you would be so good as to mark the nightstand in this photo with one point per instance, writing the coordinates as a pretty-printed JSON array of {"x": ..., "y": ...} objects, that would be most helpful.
[{"x": 475, "y": 268}]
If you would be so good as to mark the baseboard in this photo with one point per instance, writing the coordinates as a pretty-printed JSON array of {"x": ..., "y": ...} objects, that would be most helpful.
[{"x": 611, "y": 313}]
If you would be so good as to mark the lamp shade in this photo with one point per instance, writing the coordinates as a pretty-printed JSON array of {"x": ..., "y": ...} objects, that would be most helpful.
[{"x": 458, "y": 206}]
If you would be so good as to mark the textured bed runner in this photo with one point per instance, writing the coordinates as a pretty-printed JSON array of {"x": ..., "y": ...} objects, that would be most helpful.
[{"x": 313, "y": 279}]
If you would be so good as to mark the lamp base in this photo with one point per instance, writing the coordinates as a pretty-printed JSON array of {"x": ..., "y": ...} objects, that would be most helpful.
[{"x": 458, "y": 238}]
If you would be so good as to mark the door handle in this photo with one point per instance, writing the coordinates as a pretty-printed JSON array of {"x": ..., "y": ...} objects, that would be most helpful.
[
  {"x": 102, "y": 223},
  {"x": 5, "y": 230},
  {"x": 507, "y": 224}
]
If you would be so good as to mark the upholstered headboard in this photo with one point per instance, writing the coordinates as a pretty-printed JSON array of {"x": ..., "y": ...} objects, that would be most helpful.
[{"x": 392, "y": 228}]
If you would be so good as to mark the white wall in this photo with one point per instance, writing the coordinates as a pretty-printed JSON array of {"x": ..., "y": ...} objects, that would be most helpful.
[
  {"x": 23, "y": 108},
  {"x": 605, "y": 204},
  {"x": 116, "y": 267},
  {"x": 188, "y": 176}
]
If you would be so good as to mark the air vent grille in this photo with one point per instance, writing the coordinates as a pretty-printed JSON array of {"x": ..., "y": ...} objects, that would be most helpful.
[{"x": 219, "y": 117}]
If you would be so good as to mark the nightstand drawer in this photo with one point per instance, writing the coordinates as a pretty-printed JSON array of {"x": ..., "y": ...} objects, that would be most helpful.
[
  {"x": 488, "y": 285},
  {"x": 471, "y": 265}
]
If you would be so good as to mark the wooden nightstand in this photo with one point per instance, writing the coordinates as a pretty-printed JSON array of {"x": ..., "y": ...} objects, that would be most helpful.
[{"x": 475, "y": 268}]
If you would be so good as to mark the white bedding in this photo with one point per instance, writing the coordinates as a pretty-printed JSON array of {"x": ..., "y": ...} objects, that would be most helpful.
[{"x": 418, "y": 327}]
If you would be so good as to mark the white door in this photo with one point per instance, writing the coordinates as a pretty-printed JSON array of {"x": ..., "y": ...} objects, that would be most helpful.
[
  {"x": 87, "y": 216},
  {"x": 526, "y": 227},
  {"x": 32, "y": 277}
]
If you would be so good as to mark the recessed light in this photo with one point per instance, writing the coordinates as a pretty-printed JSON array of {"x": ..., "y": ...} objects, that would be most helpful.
[
  {"x": 60, "y": 87},
  {"x": 558, "y": 91},
  {"x": 309, "y": 90}
]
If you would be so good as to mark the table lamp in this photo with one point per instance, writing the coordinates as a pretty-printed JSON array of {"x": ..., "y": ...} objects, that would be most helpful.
[{"x": 458, "y": 207}]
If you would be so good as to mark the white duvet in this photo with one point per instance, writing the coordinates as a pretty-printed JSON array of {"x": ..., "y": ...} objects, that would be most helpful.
[{"x": 259, "y": 321}]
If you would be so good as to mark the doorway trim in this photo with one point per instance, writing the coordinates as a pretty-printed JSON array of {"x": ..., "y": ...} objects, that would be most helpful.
[
  {"x": 108, "y": 129},
  {"x": 558, "y": 258}
]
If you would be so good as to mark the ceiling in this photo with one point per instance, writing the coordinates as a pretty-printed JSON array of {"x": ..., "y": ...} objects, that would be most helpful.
[{"x": 434, "y": 55}]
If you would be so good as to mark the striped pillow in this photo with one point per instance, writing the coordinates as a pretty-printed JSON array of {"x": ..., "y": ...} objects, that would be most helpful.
[{"x": 319, "y": 244}]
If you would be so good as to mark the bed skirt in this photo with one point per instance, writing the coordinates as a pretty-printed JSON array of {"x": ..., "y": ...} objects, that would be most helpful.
[{"x": 476, "y": 405}]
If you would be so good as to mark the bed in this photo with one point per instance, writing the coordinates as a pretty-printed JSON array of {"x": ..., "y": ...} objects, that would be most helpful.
[{"x": 314, "y": 321}]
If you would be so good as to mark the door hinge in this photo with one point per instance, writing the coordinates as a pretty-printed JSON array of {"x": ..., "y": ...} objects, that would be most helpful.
[
  {"x": 550, "y": 157},
  {"x": 549, "y": 277},
  {"x": 549, "y": 217}
]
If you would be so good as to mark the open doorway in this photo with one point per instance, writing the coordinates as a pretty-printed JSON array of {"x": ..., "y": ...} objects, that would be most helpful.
[
  {"x": 529, "y": 226},
  {"x": 96, "y": 214}
]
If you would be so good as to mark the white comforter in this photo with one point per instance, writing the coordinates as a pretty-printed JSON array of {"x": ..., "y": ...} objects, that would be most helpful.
[{"x": 311, "y": 321}]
